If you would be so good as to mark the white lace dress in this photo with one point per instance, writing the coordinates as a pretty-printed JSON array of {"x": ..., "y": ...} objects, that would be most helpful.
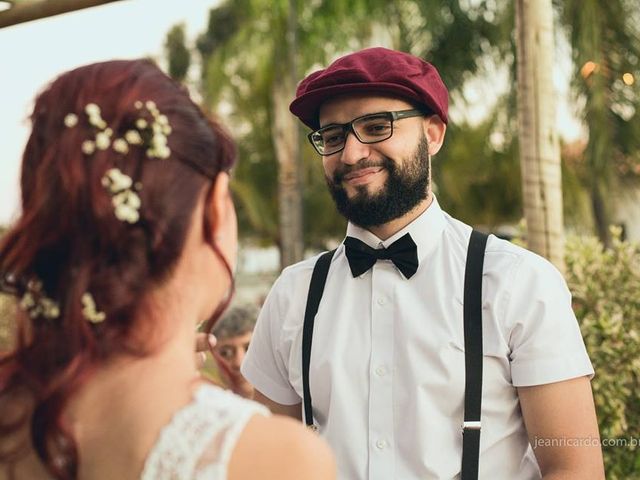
[{"x": 197, "y": 443}]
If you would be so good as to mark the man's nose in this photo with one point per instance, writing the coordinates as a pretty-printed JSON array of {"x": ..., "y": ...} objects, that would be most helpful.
[
  {"x": 354, "y": 150},
  {"x": 238, "y": 357}
]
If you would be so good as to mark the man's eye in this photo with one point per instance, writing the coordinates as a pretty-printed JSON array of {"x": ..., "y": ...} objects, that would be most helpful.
[
  {"x": 226, "y": 353},
  {"x": 377, "y": 128},
  {"x": 332, "y": 138}
]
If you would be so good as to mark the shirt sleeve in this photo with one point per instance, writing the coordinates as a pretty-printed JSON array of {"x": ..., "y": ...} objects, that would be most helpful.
[
  {"x": 265, "y": 365},
  {"x": 545, "y": 340}
]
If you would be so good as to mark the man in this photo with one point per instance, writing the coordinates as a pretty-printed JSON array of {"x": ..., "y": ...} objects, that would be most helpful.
[
  {"x": 233, "y": 334},
  {"x": 387, "y": 367}
]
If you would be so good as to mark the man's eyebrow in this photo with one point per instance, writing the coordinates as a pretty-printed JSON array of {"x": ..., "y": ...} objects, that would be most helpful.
[{"x": 334, "y": 124}]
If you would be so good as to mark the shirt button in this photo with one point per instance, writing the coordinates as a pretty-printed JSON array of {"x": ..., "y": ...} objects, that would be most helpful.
[
  {"x": 380, "y": 301},
  {"x": 381, "y": 444},
  {"x": 381, "y": 371}
]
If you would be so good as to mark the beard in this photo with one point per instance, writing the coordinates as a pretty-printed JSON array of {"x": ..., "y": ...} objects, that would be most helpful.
[{"x": 406, "y": 186}]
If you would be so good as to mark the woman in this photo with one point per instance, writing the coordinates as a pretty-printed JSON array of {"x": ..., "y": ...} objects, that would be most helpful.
[{"x": 126, "y": 242}]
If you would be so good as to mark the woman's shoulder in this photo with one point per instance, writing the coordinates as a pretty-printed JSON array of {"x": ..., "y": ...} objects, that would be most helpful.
[{"x": 280, "y": 448}]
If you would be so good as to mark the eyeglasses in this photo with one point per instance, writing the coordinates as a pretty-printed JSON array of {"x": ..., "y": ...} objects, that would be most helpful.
[{"x": 371, "y": 128}]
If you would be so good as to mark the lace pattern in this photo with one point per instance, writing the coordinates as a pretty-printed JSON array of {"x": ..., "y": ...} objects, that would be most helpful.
[{"x": 199, "y": 439}]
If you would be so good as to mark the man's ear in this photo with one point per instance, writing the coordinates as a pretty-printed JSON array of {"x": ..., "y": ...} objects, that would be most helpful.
[
  {"x": 217, "y": 205},
  {"x": 434, "y": 130}
]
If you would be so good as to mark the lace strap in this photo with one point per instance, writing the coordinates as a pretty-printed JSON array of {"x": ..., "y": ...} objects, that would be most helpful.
[{"x": 207, "y": 428}]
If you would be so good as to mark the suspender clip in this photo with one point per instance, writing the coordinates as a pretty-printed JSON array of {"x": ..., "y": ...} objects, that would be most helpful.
[{"x": 468, "y": 425}]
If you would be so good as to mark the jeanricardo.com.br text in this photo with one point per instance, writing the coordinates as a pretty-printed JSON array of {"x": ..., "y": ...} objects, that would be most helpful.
[{"x": 622, "y": 442}]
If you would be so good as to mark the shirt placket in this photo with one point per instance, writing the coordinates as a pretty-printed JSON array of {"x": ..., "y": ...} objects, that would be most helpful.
[{"x": 381, "y": 438}]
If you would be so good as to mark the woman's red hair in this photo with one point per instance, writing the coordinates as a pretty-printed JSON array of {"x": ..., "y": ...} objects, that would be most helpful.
[{"x": 69, "y": 238}]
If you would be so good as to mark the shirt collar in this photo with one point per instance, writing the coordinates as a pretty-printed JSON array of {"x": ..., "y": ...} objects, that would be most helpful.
[{"x": 426, "y": 231}]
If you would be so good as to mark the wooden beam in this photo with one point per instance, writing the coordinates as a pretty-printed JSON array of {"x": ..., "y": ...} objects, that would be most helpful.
[{"x": 28, "y": 10}]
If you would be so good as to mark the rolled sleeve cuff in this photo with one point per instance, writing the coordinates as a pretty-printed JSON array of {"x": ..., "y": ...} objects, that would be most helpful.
[
  {"x": 540, "y": 372},
  {"x": 266, "y": 386}
]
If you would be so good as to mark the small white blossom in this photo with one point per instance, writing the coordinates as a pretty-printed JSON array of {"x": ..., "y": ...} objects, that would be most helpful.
[
  {"x": 90, "y": 311},
  {"x": 88, "y": 147},
  {"x": 102, "y": 141},
  {"x": 121, "y": 146},
  {"x": 141, "y": 123},
  {"x": 116, "y": 181},
  {"x": 138, "y": 104},
  {"x": 151, "y": 106},
  {"x": 71, "y": 120},
  {"x": 133, "y": 137},
  {"x": 27, "y": 302},
  {"x": 126, "y": 205},
  {"x": 92, "y": 109}
]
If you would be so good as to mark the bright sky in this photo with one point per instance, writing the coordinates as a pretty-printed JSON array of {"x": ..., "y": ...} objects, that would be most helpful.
[{"x": 34, "y": 53}]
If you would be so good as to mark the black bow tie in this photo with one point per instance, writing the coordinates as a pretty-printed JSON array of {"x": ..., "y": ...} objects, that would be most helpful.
[{"x": 403, "y": 253}]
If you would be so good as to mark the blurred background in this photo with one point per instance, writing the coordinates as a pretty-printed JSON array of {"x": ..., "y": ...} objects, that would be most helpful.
[{"x": 242, "y": 59}]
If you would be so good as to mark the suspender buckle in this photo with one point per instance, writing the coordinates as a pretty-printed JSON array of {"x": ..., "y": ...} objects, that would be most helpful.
[
  {"x": 313, "y": 428},
  {"x": 469, "y": 425}
]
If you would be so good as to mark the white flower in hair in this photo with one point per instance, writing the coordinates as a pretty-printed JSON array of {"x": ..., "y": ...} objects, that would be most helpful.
[
  {"x": 92, "y": 109},
  {"x": 71, "y": 120},
  {"x": 36, "y": 304},
  {"x": 150, "y": 133},
  {"x": 102, "y": 141},
  {"x": 116, "y": 181},
  {"x": 88, "y": 147},
  {"x": 50, "y": 308},
  {"x": 151, "y": 106},
  {"x": 90, "y": 311},
  {"x": 120, "y": 145},
  {"x": 133, "y": 137},
  {"x": 127, "y": 205},
  {"x": 95, "y": 117}
]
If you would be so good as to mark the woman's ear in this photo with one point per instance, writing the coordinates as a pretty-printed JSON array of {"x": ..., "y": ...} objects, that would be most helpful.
[
  {"x": 217, "y": 206},
  {"x": 434, "y": 130}
]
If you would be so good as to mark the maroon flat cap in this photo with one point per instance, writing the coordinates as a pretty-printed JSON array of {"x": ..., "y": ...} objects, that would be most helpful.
[{"x": 375, "y": 70}]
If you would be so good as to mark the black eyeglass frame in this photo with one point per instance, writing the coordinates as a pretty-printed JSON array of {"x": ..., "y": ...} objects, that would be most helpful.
[{"x": 348, "y": 127}]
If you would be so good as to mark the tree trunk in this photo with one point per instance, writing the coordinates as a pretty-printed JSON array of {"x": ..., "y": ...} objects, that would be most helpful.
[
  {"x": 600, "y": 217},
  {"x": 21, "y": 12},
  {"x": 539, "y": 146},
  {"x": 286, "y": 142}
]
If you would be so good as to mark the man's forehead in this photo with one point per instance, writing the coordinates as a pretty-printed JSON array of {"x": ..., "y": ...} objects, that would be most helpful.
[
  {"x": 345, "y": 108},
  {"x": 236, "y": 340}
]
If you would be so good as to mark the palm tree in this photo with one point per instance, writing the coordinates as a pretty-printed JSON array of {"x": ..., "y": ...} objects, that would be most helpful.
[
  {"x": 539, "y": 146},
  {"x": 605, "y": 49}
]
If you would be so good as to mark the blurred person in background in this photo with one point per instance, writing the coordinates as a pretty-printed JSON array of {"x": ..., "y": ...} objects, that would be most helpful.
[
  {"x": 233, "y": 333},
  {"x": 126, "y": 242}
]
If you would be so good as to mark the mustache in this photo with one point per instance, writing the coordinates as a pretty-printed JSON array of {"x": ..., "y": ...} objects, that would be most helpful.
[{"x": 344, "y": 170}]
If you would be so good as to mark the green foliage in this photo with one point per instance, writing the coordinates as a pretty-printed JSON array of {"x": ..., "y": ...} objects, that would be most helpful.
[
  {"x": 605, "y": 44},
  {"x": 606, "y": 292},
  {"x": 476, "y": 178},
  {"x": 177, "y": 53}
]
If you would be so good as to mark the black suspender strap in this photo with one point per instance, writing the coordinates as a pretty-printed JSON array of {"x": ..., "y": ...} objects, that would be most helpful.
[
  {"x": 473, "y": 355},
  {"x": 316, "y": 288}
]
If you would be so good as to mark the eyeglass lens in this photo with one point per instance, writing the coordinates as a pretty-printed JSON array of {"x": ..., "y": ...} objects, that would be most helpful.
[{"x": 368, "y": 129}]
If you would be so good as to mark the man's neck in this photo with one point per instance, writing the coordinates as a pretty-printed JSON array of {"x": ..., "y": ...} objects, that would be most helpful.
[{"x": 389, "y": 229}]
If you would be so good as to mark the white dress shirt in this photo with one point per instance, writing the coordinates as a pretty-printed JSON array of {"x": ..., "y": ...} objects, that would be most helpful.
[{"x": 387, "y": 362}]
